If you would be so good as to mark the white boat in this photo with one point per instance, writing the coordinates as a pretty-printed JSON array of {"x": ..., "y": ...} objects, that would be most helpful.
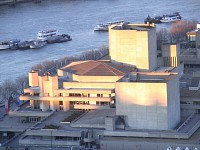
[
  {"x": 104, "y": 27},
  {"x": 37, "y": 44},
  {"x": 44, "y": 35},
  {"x": 101, "y": 27},
  {"x": 171, "y": 18},
  {"x": 4, "y": 46},
  {"x": 116, "y": 22}
]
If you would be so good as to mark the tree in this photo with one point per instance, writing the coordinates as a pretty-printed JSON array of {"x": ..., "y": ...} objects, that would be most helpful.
[
  {"x": 8, "y": 90},
  {"x": 21, "y": 83},
  {"x": 162, "y": 36},
  {"x": 179, "y": 29},
  {"x": 52, "y": 66}
]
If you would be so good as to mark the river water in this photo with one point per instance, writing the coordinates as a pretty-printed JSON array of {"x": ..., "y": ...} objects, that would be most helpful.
[{"x": 76, "y": 18}]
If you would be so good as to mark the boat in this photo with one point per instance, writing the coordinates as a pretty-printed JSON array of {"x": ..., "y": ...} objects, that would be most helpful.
[
  {"x": 10, "y": 44},
  {"x": 104, "y": 27},
  {"x": 37, "y": 44},
  {"x": 44, "y": 35},
  {"x": 163, "y": 18},
  {"x": 101, "y": 27},
  {"x": 24, "y": 45},
  {"x": 59, "y": 39},
  {"x": 171, "y": 18},
  {"x": 117, "y": 22},
  {"x": 151, "y": 20},
  {"x": 64, "y": 38},
  {"x": 14, "y": 44},
  {"x": 4, "y": 46}
]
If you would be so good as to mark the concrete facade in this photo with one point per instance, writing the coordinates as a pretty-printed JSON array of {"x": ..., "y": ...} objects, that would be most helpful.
[
  {"x": 149, "y": 101},
  {"x": 142, "y": 144},
  {"x": 198, "y": 43},
  {"x": 170, "y": 55},
  {"x": 74, "y": 90},
  {"x": 33, "y": 78},
  {"x": 134, "y": 44}
]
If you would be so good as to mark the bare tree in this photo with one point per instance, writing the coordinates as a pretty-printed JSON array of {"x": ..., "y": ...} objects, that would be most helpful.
[
  {"x": 8, "y": 89},
  {"x": 162, "y": 36},
  {"x": 179, "y": 29},
  {"x": 21, "y": 83},
  {"x": 45, "y": 66},
  {"x": 52, "y": 66},
  {"x": 94, "y": 54},
  {"x": 38, "y": 67}
]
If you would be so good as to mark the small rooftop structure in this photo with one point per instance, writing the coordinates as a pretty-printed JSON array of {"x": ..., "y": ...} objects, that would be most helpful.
[
  {"x": 140, "y": 27},
  {"x": 198, "y": 26},
  {"x": 195, "y": 84}
]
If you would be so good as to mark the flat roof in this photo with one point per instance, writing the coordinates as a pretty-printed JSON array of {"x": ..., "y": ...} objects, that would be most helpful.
[
  {"x": 78, "y": 89},
  {"x": 164, "y": 69},
  {"x": 195, "y": 82},
  {"x": 185, "y": 92},
  {"x": 94, "y": 118},
  {"x": 149, "y": 76},
  {"x": 138, "y": 27}
]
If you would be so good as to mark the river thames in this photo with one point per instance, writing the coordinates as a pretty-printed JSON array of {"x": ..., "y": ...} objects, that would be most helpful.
[{"x": 76, "y": 18}]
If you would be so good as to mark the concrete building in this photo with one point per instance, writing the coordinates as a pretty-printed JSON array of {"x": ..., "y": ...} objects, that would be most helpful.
[
  {"x": 147, "y": 97},
  {"x": 170, "y": 55},
  {"x": 194, "y": 36},
  {"x": 134, "y": 44},
  {"x": 82, "y": 85},
  {"x": 149, "y": 100}
]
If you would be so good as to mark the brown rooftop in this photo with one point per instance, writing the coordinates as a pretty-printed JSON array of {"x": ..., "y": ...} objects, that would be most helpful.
[
  {"x": 191, "y": 33},
  {"x": 92, "y": 68}
]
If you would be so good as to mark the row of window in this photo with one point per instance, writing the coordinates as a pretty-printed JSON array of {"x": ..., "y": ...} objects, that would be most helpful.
[
  {"x": 87, "y": 103},
  {"x": 70, "y": 95},
  {"x": 82, "y": 95}
]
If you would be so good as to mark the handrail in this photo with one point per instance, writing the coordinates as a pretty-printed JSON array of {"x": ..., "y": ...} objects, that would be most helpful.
[{"x": 185, "y": 122}]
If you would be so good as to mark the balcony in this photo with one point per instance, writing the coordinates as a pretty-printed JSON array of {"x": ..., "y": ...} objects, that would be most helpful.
[
  {"x": 65, "y": 98},
  {"x": 29, "y": 113},
  {"x": 50, "y": 132},
  {"x": 32, "y": 90},
  {"x": 47, "y": 137},
  {"x": 40, "y": 141}
]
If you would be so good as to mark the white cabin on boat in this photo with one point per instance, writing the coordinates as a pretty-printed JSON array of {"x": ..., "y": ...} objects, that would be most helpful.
[{"x": 44, "y": 35}]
